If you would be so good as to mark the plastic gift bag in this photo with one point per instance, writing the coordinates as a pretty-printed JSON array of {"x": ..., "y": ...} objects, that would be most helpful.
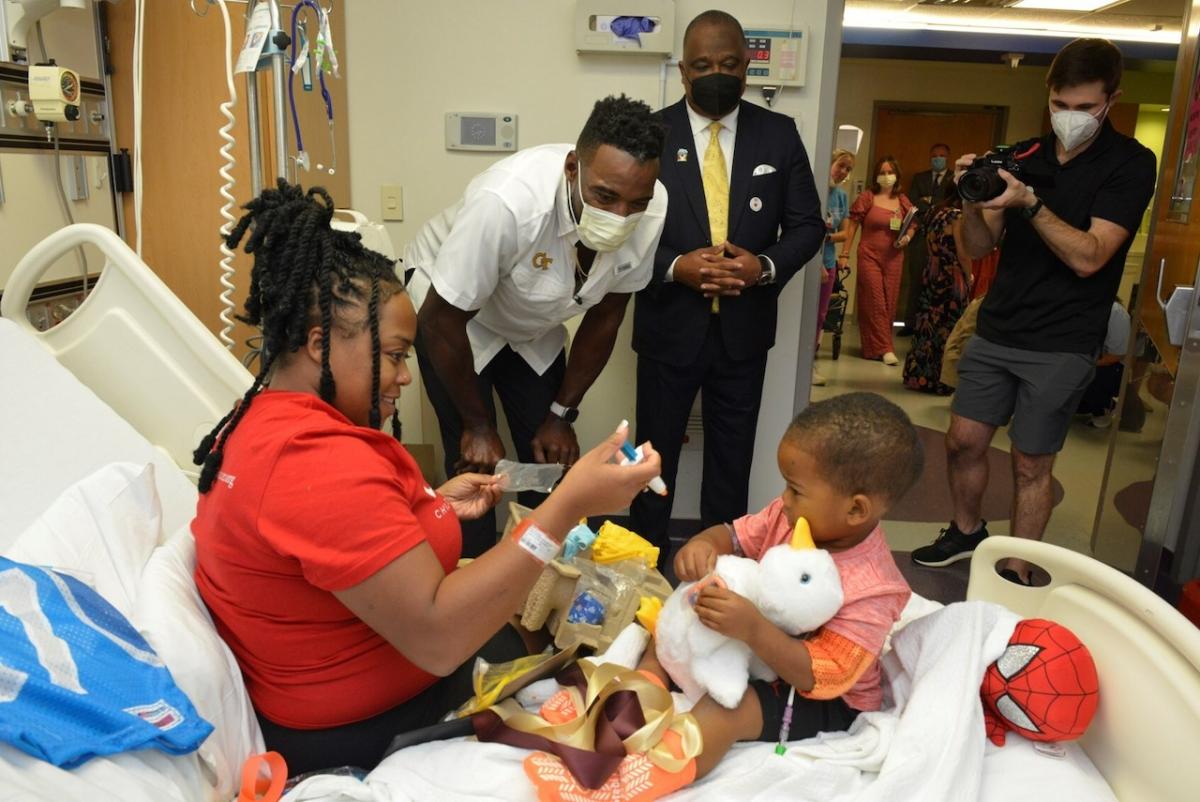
[{"x": 522, "y": 476}]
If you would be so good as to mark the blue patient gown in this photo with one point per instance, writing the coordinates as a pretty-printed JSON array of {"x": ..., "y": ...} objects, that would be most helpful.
[{"x": 77, "y": 680}]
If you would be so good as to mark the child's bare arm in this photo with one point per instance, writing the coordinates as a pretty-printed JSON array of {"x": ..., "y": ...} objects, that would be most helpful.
[
  {"x": 699, "y": 555},
  {"x": 787, "y": 656}
]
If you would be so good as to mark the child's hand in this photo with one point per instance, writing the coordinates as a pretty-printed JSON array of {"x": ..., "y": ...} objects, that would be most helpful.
[
  {"x": 727, "y": 612},
  {"x": 695, "y": 560}
]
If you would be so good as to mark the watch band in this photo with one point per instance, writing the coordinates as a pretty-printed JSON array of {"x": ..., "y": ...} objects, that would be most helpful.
[
  {"x": 569, "y": 414},
  {"x": 768, "y": 271},
  {"x": 1031, "y": 212}
]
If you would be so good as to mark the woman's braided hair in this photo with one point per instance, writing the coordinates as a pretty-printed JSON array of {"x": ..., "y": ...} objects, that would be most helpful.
[{"x": 305, "y": 273}]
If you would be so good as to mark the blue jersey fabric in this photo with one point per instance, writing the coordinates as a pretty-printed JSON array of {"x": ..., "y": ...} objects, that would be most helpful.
[
  {"x": 77, "y": 680},
  {"x": 837, "y": 211}
]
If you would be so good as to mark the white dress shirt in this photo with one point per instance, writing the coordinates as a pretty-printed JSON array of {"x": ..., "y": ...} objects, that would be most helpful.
[{"x": 507, "y": 251}]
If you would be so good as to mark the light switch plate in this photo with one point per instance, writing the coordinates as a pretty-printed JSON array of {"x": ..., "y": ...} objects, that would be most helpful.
[{"x": 391, "y": 202}]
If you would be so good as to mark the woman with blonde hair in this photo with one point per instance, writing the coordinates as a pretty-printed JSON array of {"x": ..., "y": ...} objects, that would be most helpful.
[{"x": 837, "y": 226}]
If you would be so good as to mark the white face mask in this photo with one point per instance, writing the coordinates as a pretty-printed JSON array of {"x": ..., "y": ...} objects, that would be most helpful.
[
  {"x": 1073, "y": 128},
  {"x": 600, "y": 230},
  {"x": 886, "y": 181}
]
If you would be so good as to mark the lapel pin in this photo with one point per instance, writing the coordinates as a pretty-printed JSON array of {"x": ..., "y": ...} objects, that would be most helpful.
[
  {"x": 755, "y": 204},
  {"x": 681, "y": 155}
]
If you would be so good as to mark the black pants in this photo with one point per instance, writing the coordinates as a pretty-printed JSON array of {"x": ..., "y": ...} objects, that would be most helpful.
[
  {"x": 731, "y": 395},
  {"x": 809, "y": 716},
  {"x": 916, "y": 257},
  {"x": 1101, "y": 394},
  {"x": 526, "y": 398},
  {"x": 362, "y": 744}
]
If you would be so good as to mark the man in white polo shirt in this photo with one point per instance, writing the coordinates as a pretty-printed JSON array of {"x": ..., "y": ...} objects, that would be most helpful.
[{"x": 546, "y": 234}]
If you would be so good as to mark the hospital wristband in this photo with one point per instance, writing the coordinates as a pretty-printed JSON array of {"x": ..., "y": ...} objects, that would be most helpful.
[{"x": 539, "y": 545}]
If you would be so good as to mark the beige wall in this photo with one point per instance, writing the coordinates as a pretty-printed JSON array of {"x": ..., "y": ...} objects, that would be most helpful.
[{"x": 518, "y": 57}]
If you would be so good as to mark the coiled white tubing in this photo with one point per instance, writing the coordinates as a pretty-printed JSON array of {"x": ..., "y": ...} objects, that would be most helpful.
[{"x": 226, "y": 191}]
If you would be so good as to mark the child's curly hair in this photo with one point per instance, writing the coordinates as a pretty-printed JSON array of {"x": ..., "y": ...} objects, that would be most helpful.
[{"x": 863, "y": 443}]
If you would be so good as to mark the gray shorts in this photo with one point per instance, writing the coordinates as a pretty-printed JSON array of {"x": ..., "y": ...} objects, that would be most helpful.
[{"x": 1038, "y": 390}]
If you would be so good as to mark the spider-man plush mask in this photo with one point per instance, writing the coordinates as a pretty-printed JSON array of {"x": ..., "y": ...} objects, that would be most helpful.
[{"x": 1044, "y": 686}]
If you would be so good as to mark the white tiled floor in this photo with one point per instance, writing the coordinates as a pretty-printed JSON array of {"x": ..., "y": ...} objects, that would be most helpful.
[{"x": 1079, "y": 468}]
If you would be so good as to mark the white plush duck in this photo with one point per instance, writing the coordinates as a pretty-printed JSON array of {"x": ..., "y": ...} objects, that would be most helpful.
[{"x": 796, "y": 586}]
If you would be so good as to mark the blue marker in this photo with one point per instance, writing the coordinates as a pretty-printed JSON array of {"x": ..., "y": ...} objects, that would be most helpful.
[{"x": 631, "y": 454}]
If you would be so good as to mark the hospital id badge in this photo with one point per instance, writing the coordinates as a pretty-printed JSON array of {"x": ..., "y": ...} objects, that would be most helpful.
[{"x": 894, "y": 224}]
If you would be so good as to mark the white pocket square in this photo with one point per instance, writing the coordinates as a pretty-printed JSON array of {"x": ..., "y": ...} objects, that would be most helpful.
[{"x": 763, "y": 169}]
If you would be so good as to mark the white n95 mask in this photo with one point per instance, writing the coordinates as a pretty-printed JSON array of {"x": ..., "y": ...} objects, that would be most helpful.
[
  {"x": 600, "y": 230},
  {"x": 1073, "y": 128}
]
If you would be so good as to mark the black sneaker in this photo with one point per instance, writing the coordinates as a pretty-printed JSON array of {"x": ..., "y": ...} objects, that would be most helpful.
[
  {"x": 1015, "y": 578},
  {"x": 950, "y": 547}
]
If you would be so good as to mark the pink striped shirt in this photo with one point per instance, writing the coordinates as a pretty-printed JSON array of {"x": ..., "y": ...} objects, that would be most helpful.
[{"x": 873, "y": 588}]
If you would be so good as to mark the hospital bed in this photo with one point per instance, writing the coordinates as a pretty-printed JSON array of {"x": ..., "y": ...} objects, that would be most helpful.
[{"x": 134, "y": 378}]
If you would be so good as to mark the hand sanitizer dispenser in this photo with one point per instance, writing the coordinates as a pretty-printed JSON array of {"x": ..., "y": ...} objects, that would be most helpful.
[{"x": 1175, "y": 308}]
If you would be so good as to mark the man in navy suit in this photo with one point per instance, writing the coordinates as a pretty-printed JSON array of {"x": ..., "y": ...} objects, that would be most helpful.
[{"x": 743, "y": 218}]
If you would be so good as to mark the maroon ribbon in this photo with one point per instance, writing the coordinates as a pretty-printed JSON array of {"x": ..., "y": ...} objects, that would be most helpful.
[{"x": 621, "y": 717}]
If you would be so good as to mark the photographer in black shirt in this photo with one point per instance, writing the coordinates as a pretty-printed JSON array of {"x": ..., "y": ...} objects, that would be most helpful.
[{"x": 1044, "y": 319}]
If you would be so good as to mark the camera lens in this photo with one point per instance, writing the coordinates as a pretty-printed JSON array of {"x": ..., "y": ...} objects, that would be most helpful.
[{"x": 980, "y": 184}]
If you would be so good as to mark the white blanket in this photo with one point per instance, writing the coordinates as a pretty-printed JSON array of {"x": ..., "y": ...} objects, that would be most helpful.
[{"x": 930, "y": 746}]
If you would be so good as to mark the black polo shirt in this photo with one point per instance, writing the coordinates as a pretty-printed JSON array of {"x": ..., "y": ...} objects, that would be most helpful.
[{"x": 1038, "y": 303}]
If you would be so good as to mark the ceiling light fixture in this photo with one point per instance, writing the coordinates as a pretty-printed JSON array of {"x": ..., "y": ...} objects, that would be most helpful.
[
  {"x": 872, "y": 19},
  {"x": 1063, "y": 5}
]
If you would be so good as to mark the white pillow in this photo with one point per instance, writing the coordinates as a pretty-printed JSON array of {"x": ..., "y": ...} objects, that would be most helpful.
[
  {"x": 101, "y": 529},
  {"x": 172, "y": 617}
]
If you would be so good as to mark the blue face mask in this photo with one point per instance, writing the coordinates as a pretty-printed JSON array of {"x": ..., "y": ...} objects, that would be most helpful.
[{"x": 939, "y": 163}]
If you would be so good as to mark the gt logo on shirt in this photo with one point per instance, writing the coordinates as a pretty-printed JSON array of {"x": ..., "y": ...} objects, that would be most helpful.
[{"x": 541, "y": 261}]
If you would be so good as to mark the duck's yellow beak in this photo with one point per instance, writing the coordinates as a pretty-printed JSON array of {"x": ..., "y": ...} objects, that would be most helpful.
[{"x": 802, "y": 535}]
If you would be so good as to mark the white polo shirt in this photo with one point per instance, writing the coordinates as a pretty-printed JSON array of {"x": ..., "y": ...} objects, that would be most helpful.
[{"x": 507, "y": 249}]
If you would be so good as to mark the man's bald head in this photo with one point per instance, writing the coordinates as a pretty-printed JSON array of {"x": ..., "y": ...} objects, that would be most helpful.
[{"x": 719, "y": 21}]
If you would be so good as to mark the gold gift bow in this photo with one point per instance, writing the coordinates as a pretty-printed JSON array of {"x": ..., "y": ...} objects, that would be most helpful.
[{"x": 603, "y": 681}]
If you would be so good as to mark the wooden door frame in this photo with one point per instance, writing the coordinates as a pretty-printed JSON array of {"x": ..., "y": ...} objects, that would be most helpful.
[{"x": 920, "y": 107}]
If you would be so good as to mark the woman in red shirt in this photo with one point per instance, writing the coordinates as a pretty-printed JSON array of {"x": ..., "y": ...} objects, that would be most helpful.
[{"x": 327, "y": 562}]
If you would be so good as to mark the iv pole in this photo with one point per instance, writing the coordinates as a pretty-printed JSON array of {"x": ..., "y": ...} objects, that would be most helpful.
[{"x": 277, "y": 55}]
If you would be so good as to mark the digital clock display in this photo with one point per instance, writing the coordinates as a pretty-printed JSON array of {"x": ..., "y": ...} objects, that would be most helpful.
[{"x": 759, "y": 48}]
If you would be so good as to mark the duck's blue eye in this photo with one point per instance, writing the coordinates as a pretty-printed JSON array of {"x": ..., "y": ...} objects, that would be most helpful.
[{"x": 804, "y": 579}]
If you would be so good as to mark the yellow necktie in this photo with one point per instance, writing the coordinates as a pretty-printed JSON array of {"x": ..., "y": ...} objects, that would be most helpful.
[{"x": 716, "y": 192}]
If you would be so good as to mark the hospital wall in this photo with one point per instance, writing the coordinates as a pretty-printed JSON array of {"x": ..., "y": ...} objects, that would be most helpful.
[{"x": 412, "y": 66}]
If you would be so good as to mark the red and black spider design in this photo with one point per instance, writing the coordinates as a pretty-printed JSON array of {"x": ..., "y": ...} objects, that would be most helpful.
[{"x": 1044, "y": 686}]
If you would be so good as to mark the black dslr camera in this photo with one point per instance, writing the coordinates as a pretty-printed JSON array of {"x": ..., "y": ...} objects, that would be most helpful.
[{"x": 981, "y": 181}]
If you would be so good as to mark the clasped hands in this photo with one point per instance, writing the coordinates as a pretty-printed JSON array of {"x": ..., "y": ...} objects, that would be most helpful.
[{"x": 723, "y": 269}]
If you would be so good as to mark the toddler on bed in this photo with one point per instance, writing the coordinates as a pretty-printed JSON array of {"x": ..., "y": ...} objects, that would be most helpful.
[{"x": 845, "y": 462}]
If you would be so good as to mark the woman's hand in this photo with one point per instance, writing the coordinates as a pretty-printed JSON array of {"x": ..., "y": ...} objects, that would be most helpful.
[
  {"x": 595, "y": 485},
  {"x": 471, "y": 495}
]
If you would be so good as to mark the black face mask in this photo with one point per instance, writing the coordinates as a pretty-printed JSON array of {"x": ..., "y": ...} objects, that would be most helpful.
[{"x": 717, "y": 93}]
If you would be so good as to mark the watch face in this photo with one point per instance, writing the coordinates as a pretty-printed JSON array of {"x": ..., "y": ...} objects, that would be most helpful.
[{"x": 570, "y": 414}]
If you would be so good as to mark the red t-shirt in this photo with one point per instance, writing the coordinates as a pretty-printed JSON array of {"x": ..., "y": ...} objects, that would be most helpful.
[{"x": 307, "y": 503}]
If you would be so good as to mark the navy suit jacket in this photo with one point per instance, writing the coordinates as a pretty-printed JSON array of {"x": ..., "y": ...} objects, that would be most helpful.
[
  {"x": 922, "y": 187},
  {"x": 776, "y": 214}
]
